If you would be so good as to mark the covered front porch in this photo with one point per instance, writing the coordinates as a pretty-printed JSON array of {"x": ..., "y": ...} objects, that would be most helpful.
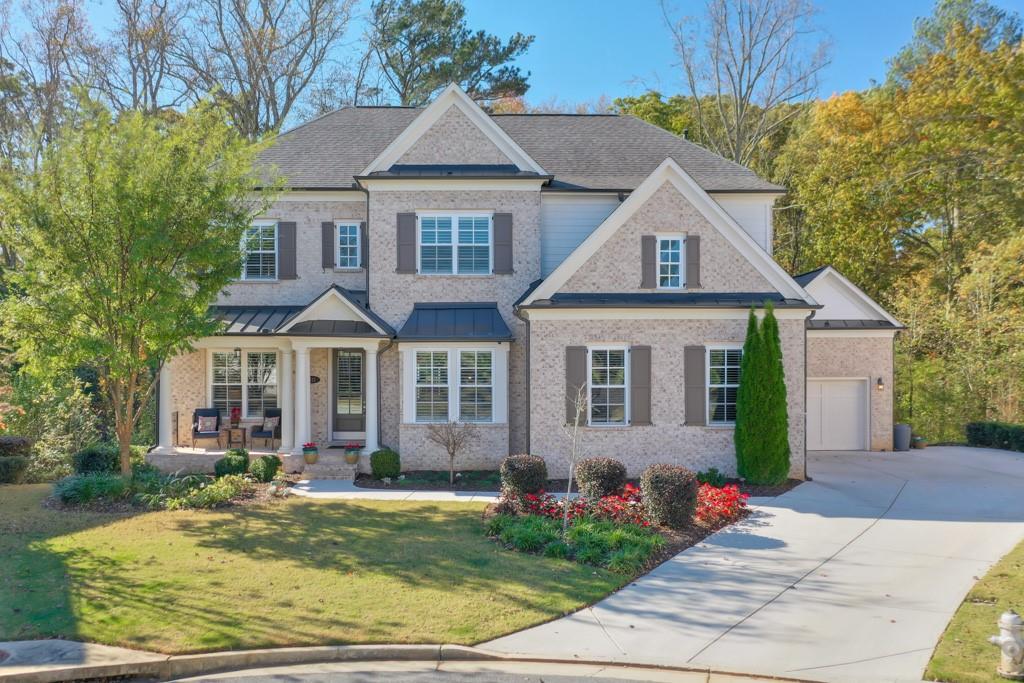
[{"x": 314, "y": 368}]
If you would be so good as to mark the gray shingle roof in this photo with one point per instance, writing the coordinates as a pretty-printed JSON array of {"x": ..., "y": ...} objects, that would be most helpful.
[
  {"x": 591, "y": 152},
  {"x": 455, "y": 322},
  {"x": 669, "y": 300}
]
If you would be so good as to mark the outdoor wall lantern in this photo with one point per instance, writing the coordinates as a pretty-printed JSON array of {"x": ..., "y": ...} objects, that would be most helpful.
[{"x": 880, "y": 385}]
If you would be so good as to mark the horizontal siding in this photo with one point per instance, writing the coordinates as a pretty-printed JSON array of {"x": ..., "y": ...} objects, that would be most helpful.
[
  {"x": 566, "y": 220},
  {"x": 753, "y": 213}
]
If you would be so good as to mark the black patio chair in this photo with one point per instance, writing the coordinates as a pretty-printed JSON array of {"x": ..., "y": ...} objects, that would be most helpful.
[
  {"x": 196, "y": 434},
  {"x": 267, "y": 434}
]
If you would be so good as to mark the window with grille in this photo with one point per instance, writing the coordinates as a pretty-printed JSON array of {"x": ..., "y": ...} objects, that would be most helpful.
[
  {"x": 608, "y": 386},
  {"x": 454, "y": 244},
  {"x": 432, "y": 386},
  {"x": 476, "y": 386},
  {"x": 723, "y": 384},
  {"x": 670, "y": 262},
  {"x": 226, "y": 388},
  {"x": 254, "y": 391},
  {"x": 259, "y": 244},
  {"x": 260, "y": 382},
  {"x": 348, "y": 246}
]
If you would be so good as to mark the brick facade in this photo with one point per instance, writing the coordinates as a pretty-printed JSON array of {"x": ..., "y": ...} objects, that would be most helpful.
[{"x": 454, "y": 139}]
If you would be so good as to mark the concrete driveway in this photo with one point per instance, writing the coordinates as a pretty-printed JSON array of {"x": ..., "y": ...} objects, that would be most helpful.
[{"x": 850, "y": 577}]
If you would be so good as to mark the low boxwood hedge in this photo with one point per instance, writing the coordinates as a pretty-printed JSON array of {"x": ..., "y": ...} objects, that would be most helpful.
[
  {"x": 996, "y": 435},
  {"x": 600, "y": 477},
  {"x": 99, "y": 457},
  {"x": 522, "y": 474},
  {"x": 235, "y": 461},
  {"x": 385, "y": 464},
  {"x": 264, "y": 469},
  {"x": 669, "y": 493}
]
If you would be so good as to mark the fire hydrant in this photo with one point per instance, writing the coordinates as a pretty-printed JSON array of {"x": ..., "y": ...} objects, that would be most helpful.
[{"x": 1011, "y": 641}]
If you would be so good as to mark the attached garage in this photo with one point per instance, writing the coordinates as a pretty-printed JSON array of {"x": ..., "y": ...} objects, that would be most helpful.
[{"x": 837, "y": 414}]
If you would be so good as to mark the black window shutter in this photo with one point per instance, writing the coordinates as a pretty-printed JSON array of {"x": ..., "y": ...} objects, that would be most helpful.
[
  {"x": 648, "y": 262},
  {"x": 640, "y": 385},
  {"x": 575, "y": 377},
  {"x": 286, "y": 251},
  {"x": 327, "y": 249},
  {"x": 406, "y": 243},
  {"x": 693, "y": 261},
  {"x": 364, "y": 246},
  {"x": 502, "y": 243}
]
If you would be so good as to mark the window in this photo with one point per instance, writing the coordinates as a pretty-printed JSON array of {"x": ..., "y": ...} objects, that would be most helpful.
[
  {"x": 431, "y": 386},
  {"x": 260, "y": 382},
  {"x": 476, "y": 388},
  {"x": 255, "y": 394},
  {"x": 259, "y": 244},
  {"x": 723, "y": 383},
  {"x": 608, "y": 386},
  {"x": 670, "y": 261},
  {"x": 455, "y": 244},
  {"x": 348, "y": 246}
]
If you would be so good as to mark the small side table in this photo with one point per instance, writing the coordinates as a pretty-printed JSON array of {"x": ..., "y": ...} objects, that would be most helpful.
[{"x": 234, "y": 436}]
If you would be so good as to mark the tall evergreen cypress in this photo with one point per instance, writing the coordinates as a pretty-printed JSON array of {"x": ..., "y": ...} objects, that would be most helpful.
[
  {"x": 776, "y": 434},
  {"x": 762, "y": 422},
  {"x": 745, "y": 434}
]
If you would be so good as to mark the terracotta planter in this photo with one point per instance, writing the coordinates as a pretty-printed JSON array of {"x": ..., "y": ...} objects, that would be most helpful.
[
  {"x": 352, "y": 457},
  {"x": 310, "y": 456}
]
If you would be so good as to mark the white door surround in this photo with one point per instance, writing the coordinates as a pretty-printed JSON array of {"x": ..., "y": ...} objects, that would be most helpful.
[{"x": 838, "y": 413}]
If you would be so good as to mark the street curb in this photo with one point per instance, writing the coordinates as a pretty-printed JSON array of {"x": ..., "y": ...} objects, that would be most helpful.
[{"x": 183, "y": 666}]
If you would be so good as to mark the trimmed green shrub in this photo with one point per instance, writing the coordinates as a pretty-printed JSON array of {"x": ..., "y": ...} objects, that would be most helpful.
[
  {"x": 15, "y": 446},
  {"x": 99, "y": 457},
  {"x": 713, "y": 477},
  {"x": 761, "y": 435},
  {"x": 265, "y": 468},
  {"x": 600, "y": 477},
  {"x": 235, "y": 461},
  {"x": 995, "y": 435},
  {"x": 12, "y": 469},
  {"x": 669, "y": 493},
  {"x": 385, "y": 464},
  {"x": 93, "y": 486},
  {"x": 524, "y": 473}
]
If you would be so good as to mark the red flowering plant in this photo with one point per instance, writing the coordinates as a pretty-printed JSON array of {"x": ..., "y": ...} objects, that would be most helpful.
[
  {"x": 624, "y": 507},
  {"x": 717, "y": 507}
]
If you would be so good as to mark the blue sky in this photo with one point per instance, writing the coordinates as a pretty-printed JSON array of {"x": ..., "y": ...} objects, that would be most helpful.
[{"x": 586, "y": 48}]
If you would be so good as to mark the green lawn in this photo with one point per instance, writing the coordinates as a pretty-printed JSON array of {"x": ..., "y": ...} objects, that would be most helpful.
[
  {"x": 964, "y": 654},
  {"x": 295, "y": 572}
]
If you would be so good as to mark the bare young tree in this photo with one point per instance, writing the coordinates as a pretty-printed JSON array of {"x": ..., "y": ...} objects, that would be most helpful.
[
  {"x": 743, "y": 60},
  {"x": 454, "y": 438},
  {"x": 133, "y": 67},
  {"x": 259, "y": 56},
  {"x": 573, "y": 431}
]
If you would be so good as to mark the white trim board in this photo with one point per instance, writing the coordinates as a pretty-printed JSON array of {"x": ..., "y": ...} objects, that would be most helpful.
[
  {"x": 857, "y": 297},
  {"x": 452, "y": 96},
  {"x": 669, "y": 171},
  {"x": 657, "y": 313}
]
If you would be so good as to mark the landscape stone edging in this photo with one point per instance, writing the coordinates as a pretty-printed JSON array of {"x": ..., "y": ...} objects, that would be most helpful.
[{"x": 178, "y": 666}]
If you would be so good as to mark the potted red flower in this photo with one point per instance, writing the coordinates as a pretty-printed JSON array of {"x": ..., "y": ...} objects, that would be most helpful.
[
  {"x": 310, "y": 453},
  {"x": 352, "y": 449}
]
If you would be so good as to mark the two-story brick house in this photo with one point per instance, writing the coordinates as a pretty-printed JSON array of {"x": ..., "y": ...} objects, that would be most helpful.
[{"x": 441, "y": 264}]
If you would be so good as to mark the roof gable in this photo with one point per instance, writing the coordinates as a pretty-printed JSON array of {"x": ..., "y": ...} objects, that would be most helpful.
[
  {"x": 669, "y": 173},
  {"x": 338, "y": 305},
  {"x": 841, "y": 299},
  {"x": 452, "y": 109}
]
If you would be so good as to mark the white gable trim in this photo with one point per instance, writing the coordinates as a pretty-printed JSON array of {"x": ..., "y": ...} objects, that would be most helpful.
[
  {"x": 670, "y": 171},
  {"x": 854, "y": 292},
  {"x": 452, "y": 96},
  {"x": 330, "y": 299}
]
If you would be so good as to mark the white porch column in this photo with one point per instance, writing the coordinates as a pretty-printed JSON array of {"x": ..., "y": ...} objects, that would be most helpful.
[
  {"x": 166, "y": 437},
  {"x": 287, "y": 403},
  {"x": 302, "y": 402},
  {"x": 371, "y": 400}
]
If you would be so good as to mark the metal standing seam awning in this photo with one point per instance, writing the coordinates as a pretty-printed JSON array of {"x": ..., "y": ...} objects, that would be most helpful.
[{"x": 455, "y": 322}]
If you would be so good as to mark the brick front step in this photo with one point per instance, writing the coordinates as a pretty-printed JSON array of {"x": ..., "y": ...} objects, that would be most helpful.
[{"x": 330, "y": 467}]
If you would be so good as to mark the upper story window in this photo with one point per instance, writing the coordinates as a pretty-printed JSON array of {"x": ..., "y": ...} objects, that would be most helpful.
[
  {"x": 670, "y": 261},
  {"x": 348, "y": 246},
  {"x": 723, "y": 384},
  {"x": 608, "y": 382},
  {"x": 259, "y": 245},
  {"x": 454, "y": 244}
]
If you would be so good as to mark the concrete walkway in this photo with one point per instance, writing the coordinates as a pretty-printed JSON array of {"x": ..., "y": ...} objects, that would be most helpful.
[
  {"x": 851, "y": 577},
  {"x": 341, "y": 489}
]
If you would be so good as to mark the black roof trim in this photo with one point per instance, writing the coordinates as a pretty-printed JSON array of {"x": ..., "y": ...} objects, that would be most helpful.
[
  {"x": 849, "y": 324},
  {"x": 804, "y": 279},
  {"x": 335, "y": 328},
  {"x": 669, "y": 300},
  {"x": 461, "y": 321}
]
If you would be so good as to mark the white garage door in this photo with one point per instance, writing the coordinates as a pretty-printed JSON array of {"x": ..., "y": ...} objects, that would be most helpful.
[{"x": 837, "y": 416}]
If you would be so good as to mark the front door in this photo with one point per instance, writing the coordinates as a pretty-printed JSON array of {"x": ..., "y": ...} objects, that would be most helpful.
[{"x": 349, "y": 387}]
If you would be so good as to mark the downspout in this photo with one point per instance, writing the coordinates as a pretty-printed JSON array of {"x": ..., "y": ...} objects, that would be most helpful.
[{"x": 529, "y": 384}]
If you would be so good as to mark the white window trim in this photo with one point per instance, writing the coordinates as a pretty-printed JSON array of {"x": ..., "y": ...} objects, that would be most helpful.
[
  {"x": 722, "y": 346},
  {"x": 590, "y": 374},
  {"x": 337, "y": 245},
  {"x": 277, "y": 253},
  {"x": 245, "y": 383},
  {"x": 455, "y": 215},
  {"x": 499, "y": 379},
  {"x": 682, "y": 259}
]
